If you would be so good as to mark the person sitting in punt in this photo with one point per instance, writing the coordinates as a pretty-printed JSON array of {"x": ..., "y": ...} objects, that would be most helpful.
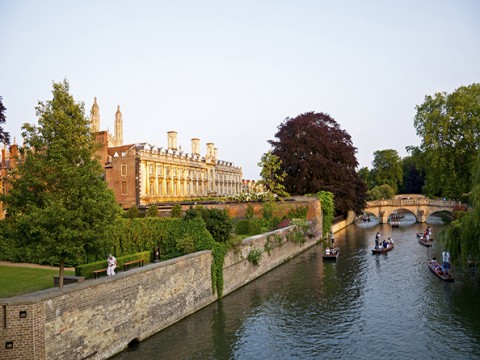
[
  {"x": 327, "y": 251},
  {"x": 390, "y": 241},
  {"x": 385, "y": 244}
]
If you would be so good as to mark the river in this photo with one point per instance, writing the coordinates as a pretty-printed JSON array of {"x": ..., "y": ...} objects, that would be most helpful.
[{"x": 363, "y": 306}]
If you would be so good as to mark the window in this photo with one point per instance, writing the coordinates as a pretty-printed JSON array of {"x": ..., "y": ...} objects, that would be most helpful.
[
  {"x": 150, "y": 169},
  {"x": 124, "y": 170},
  {"x": 124, "y": 188}
]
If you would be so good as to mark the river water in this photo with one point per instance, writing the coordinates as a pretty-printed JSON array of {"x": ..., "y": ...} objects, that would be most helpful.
[{"x": 363, "y": 306}]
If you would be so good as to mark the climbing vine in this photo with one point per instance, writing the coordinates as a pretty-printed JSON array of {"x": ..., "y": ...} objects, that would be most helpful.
[
  {"x": 328, "y": 210},
  {"x": 219, "y": 251}
]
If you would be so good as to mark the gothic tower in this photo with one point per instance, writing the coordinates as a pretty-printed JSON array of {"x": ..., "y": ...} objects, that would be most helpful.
[
  {"x": 118, "y": 127},
  {"x": 95, "y": 117}
]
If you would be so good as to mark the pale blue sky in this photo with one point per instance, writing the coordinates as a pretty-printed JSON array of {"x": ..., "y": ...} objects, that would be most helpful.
[{"x": 230, "y": 72}]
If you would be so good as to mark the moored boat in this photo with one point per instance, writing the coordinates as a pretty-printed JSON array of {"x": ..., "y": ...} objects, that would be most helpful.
[
  {"x": 331, "y": 254},
  {"x": 382, "y": 250},
  {"x": 435, "y": 267},
  {"x": 395, "y": 223}
]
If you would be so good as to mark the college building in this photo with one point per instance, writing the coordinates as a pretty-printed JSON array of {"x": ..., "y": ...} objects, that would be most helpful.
[{"x": 141, "y": 173}]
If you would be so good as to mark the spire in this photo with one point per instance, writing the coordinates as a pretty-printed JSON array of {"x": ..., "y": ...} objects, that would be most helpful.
[
  {"x": 95, "y": 116},
  {"x": 118, "y": 127}
]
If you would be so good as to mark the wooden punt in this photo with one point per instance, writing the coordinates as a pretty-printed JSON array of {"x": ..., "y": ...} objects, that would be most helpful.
[
  {"x": 437, "y": 271},
  {"x": 332, "y": 255},
  {"x": 382, "y": 250}
]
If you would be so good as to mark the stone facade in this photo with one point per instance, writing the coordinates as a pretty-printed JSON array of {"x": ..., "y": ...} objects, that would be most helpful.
[
  {"x": 95, "y": 319},
  {"x": 141, "y": 174}
]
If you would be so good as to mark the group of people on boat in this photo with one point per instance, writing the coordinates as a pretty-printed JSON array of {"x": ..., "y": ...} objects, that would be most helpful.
[
  {"x": 427, "y": 234},
  {"x": 330, "y": 251},
  {"x": 366, "y": 217},
  {"x": 444, "y": 268},
  {"x": 384, "y": 243}
]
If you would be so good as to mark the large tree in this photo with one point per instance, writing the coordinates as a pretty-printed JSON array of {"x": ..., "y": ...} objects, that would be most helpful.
[
  {"x": 462, "y": 238},
  {"x": 413, "y": 176},
  {"x": 59, "y": 206},
  {"x": 316, "y": 154},
  {"x": 449, "y": 125},
  {"x": 4, "y": 136},
  {"x": 272, "y": 178},
  {"x": 387, "y": 169}
]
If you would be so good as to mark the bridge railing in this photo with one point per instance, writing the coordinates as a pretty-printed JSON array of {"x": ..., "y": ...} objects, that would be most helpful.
[{"x": 413, "y": 202}]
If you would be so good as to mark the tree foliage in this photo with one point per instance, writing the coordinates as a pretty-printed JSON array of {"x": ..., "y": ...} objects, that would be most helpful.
[
  {"x": 272, "y": 176},
  {"x": 366, "y": 176},
  {"x": 59, "y": 206},
  {"x": 317, "y": 155},
  {"x": 449, "y": 125},
  {"x": 384, "y": 191},
  {"x": 462, "y": 238},
  {"x": 387, "y": 169},
  {"x": 4, "y": 136},
  {"x": 413, "y": 176}
]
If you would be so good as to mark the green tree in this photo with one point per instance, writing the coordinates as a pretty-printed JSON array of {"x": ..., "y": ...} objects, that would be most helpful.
[
  {"x": 413, "y": 176},
  {"x": 4, "y": 136},
  {"x": 59, "y": 207},
  {"x": 449, "y": 126},
  {"x": 387, "y": 169},
  {"x": 462, "y": 238},
  {"x": 272, "y": 176},
  {"x": 384, "y": 191},
  {"x": 366, "y": 176}
]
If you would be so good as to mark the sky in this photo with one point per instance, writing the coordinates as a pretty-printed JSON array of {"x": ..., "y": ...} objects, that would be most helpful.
[{"x": 230, "y": 72}]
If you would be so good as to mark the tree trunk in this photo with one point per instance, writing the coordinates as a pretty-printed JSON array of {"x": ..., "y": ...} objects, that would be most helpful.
[{"x": 60, "y": 273}]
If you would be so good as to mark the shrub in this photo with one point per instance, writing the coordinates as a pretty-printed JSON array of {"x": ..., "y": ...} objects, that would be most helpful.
[
  {"x": 87, "y": 270},
  {"x": 242, "y": 227},
  {"x": 250, "y": 212},
  {"x": 254, "y": 256},
  {"x": 298, "y": 213},
  {"x": 176, "y": 211},
  {"x": 152, "y": 211}
]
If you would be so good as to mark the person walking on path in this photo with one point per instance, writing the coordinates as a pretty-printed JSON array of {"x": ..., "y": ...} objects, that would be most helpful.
[{"x": 112, "y": 265}]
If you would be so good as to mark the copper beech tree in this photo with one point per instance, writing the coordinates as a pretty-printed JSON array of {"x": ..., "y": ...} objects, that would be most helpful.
[{"x": 317, "y": 155}]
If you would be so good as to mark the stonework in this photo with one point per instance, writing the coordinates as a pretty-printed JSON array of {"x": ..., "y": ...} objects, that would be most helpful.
[
  {"x": 97, "y": 318},
  {"x": 142, "y": 174}
]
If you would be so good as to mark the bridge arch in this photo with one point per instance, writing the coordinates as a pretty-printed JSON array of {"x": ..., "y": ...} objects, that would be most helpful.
[{"x": 421, "y": 208}]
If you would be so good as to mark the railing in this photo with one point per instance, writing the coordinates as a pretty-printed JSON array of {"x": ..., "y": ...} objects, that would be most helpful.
[{"x": 413, "y": 202}]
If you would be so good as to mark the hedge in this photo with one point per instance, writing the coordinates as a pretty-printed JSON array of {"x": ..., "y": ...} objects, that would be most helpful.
[{"x": 87, "y": 270}]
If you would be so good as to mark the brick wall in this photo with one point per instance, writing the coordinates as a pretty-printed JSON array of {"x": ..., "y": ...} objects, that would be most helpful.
[{"x": 98, "y": 318}]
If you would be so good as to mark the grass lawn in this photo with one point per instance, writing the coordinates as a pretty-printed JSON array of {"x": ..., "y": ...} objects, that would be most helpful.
[{"x": 22, "y": 280}]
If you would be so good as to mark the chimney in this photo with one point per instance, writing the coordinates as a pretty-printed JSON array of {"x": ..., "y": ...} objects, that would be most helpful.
[
  {"x": 195, "y": 146},
  {"x": 172, "y": 140}
]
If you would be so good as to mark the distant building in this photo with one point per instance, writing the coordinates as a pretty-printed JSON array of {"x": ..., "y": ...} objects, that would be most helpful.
[
  {"x": 8, "y": 162},
  {"x": 143, "y": 174}
]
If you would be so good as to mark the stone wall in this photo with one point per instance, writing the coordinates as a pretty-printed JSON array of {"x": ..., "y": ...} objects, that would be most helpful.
[{"x": 95, "y": 319}]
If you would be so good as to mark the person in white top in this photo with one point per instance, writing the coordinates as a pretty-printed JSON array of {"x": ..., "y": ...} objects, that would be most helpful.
[
  {"x": 446, "y": 261},
  {"x": 112, "y": 265}
]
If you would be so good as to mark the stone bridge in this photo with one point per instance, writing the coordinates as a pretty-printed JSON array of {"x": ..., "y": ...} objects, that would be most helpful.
[{"x": 422, "y": 208}]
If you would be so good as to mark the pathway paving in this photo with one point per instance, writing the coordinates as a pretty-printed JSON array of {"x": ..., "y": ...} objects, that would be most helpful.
[{"x": 27, "y": 265}]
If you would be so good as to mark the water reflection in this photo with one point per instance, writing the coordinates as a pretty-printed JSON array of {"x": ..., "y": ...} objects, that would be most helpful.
[{"x": 363, "y": 306}]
